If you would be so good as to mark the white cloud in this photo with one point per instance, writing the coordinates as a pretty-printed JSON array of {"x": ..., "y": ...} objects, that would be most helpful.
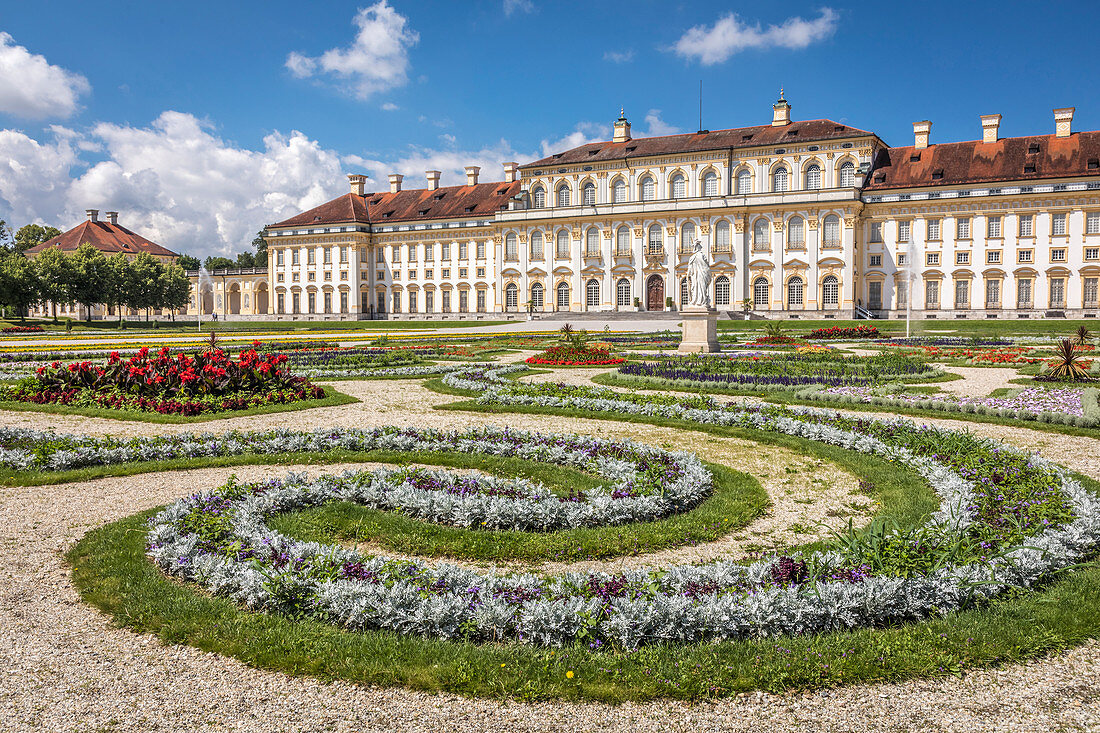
[
  {"x": 583, "y": 133},
  {"x": 451, "y": 161},
  {"x": 33, "y": 88},
  {"x": 390, "y": 107},
  {"x": 656, "y": 126},
  {"x": 511, "y": 6},
  {"x": 619, "y": 57},
  {"x": 729, "y": 35},
  {"x": 377, "y": 60}
]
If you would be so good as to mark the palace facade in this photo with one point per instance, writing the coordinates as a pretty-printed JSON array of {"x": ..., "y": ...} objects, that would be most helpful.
[{"x": 801, "y": 218}]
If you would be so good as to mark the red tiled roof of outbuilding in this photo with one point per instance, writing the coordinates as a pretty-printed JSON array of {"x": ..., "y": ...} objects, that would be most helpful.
[
  {"x": 417, "y": 204},
  {"x": 738, "y": 137},
  {"x": 106, "y": 237},
  {"x": 974, "y": 161}
]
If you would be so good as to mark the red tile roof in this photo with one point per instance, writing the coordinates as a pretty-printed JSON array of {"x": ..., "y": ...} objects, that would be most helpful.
[
  {"x": 739, "y": 137},
  {"x": 418, "y": 204},
  {"x": 106, "y": 237},
  {"x": 973, "y": 161}
]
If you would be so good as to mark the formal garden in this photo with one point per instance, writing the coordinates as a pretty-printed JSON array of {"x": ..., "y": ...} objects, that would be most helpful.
[{"x": 575, "y": 515}]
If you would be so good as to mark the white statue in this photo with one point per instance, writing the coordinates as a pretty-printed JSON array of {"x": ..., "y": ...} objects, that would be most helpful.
[{"x": 699, "y": 277}]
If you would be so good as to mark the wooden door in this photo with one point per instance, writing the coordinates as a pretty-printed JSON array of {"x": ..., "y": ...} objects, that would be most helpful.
[{"x": 655, "y": 293}]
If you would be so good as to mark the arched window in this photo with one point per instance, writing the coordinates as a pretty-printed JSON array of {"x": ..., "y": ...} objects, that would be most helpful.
[
  {"x": 592, "y": 293},
  {"x": 622, "y": 293},
  {"x": 794, "y": 292},
  {"x": 710, "y": 183},
  {"x": 760, "y": 292},
  {"x": 813, "y": 176},
  {"x": 779, "y": 180},
  {"x": 687, "y": 238},
  {"x": 679, "y": 186},
  {"x": 831, "y": 230},
  {"x": 563, "y": 194},
  {"x": 796, "y": 237},
  {"x": 538, "y": 196},
  {"x": 656, "y": 244},
  {"x": 536, "y": 296},
  {"x": 830, "y": 291},
  {"x": 744, "y": 182},
  {"x": 619, "y": 191},
  {"x": 649, "y": 188},
  {"x": 722, "y": 290},
  {"x": 511, "y": 297},
  {"x": 511, "y": 247},
  {"x": 683, "y": 291},
  {"x": 562, "y": 249},
  {"x": 622, "y": 241},
  {"x": 589, "y": 194},
  {"x": 536, "y": 245},
  {"x": 722, "y": 236},
  {"x": 847, "y": 174},
  {"x": 563, "y": 295},
  {"x": 592, "y": 242},
  {"x": 761, "y": 238}
]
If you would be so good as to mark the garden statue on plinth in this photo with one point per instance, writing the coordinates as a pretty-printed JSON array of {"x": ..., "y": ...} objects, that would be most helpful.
[{"x": 700, "y": 320}]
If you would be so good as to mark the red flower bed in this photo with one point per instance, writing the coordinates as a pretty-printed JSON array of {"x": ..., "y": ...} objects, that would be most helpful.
[
  {"x": 22, "y": 329},
  {"x": 170, "y": 383},
  {"x": 574, "y": 356},
  {"x": 839, "y": 332}
]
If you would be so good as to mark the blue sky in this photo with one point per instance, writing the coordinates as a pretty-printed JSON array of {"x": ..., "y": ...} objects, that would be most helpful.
[{"x": 202, "y": 125}]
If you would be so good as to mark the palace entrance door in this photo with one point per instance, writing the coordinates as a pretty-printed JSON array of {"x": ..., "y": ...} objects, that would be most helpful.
[{"x": 655, "y": 293}]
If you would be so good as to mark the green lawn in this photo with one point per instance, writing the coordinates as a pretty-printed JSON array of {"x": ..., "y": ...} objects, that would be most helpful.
[
  {"x": 1047, "y": 327},
  {"x": 183, "y": 327}
]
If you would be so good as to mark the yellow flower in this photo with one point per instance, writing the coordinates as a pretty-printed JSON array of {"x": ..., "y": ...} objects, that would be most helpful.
[
  {"x": 502, "y": 666},
  {"x": 569, "y": 674}
]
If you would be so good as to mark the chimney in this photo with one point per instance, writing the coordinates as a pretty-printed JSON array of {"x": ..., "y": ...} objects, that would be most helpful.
[
  {"x": 358, "y": 184},
  {"x": 1063, "y": 121},
  {"x": 433, "y": 179},
  {"x": 471, "y": 174},
  {"x": 93, "y": 214},
  {"x": 990, "y": 123},
  {"x": 921, "y": 131},
  {"x": 510, "y": 170},
  {"x": 781, "y": 112},
  {"x": 622, "y": 128},
  {"x": 112, "y": 216},
  {"x": 395, "y": 182}
]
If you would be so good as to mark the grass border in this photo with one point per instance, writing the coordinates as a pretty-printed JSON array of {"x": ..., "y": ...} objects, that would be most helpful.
[{"x": 332, "y": 398}]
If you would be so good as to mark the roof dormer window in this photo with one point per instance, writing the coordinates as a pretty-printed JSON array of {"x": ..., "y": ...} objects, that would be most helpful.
[
  {"x": 1029, "y": 169},
  {"x": 937, "y": 174},
  {"x": 376, "y": 202},
  {"x": 594, "y": 152},
  {"x": 880, "y": 178},
  {"x": 424, "y": 212},
  {"x": 914, "y": 158},
  {"x": 1033, "y": 148},
  {"x": 1094, "y": 163},
  {"x": 746, "y": 138},
  {"x": 469, "y": 209}
]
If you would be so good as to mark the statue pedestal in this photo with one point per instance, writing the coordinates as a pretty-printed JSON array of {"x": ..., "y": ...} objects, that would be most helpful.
[{"x": 700, "y": 327}]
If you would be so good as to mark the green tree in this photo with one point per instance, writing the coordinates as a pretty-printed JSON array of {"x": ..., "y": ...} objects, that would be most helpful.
[
  {"x": 55, "y": 277},
  {"x": 261, "y": 249},
  {"x": 175, "y": 287},
  {"x": 246, "y": 259},
  {"x": 91, "y": 273},
  {"x": 219, "y": 263},
  {"x": 187, "y": 262},
  {"x": 116, "y": 287},
  {"x": 18, "y": 283},
  {"x": 6, "y": 240},
  {"x": 143, "y": 283},
  {"x": 31, "y": 235}
]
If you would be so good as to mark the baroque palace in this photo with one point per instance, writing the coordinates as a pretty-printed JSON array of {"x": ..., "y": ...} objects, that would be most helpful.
[{"x": 801, "y": 219}]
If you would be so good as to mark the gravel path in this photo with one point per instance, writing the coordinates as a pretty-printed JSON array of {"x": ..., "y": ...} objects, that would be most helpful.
[{"x": 64, "y": 667}]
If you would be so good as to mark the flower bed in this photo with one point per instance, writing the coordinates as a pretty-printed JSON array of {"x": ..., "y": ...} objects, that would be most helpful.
[
  {"x": 573, "y": 355},
  {"x": 1007, "y": 520},
  {"x": 22, "y": 329},
  {"x": 170, "y": 383},
  {"x": 774, "y": 371},
  {"x": 845, "y": 332}
]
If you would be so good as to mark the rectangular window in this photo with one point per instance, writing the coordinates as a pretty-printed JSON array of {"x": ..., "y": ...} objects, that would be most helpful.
[
  {"x": 428, "y": 274},
  {"x": 1091, "y": 292},
  {"x": 933, "y": 259},
  {"x": 1092, "y": 222},
  {"x": 343, "y": 255},
  {"x": 446, "y": 273},
  {"x": 343, "y": 302},
  {"x": 480, "y": 301},
  {"x": 1027, "y": 225},
  {"x": 327, "y": 256},
  {"x": 1057, "y": 292},
  {"x": 1058, "y": 225},
  {"x": 446, "y": 301},
  {"x": 381, "y": 302},
  {"x": 1092, "y": 253},
  {"x": 874, "y": 295},
  {"x": 1023, "y": 293},
  {"x": 445, "y": 251},
  {"x": 279, "y": 260},
  {"x": 412, "y": 253},
  {"x": 992, "y": 293},
  {"x": 462, "y": 273},
  {"x": 380, "y": 275},
  {"x": 876, "y": 232},
  {"x": 934, "y": 229},
  {"x": 903, "y": 231},
  {"x": 463, "y": 251},
  {"x": 962, "y": 228},
  {"x": 1058, "y": 255},
  {"x": 993, "y": 257},
  {"x": 481, "y": 250},
  {"x": 1026, "y": 256},
  {"x": 932, "y": 294},
  {"x": 901, "y": 293},
  {"x": 962, "y": 293},
  {"x": 328, "y": 302},
  {"x": 901, "y": 259},
  {"x": 962, "y": 258},
  {"x": 481, "y": 272},
  {"x": 395, "y": 253},
  {"x": 429, "y": 252},
  {"x": 397, "y": 302},
  {"x": 993, "y": 227},
  {"x": 876, "y": 261},
  {"x": 412, "y": 302},
  {"x": 429, "y": 302},
  {"x": 311, "y": 258},
  {"x": 295, "y": 255}
]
